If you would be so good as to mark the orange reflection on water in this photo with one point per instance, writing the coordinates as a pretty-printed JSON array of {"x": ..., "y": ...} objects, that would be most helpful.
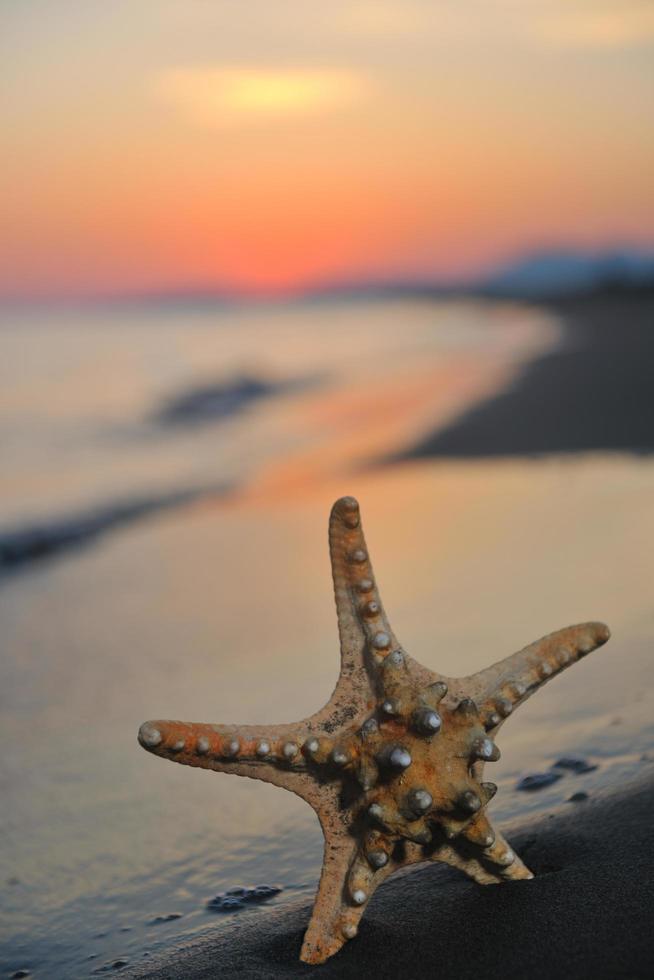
[{"x": 354, "y": 425}]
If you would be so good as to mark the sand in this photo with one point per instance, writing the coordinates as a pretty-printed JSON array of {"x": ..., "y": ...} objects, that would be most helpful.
[
  {"x": 587, "y": 913},
  {"x": 593, "y": 393}
]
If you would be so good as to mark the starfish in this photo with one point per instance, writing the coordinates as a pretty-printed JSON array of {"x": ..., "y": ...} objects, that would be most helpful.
[{"x": 393, "y": 764}]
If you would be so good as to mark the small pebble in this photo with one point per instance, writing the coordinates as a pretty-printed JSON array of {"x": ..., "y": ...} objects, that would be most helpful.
[
  {"x": 236, "y": 898},
  {"x": 231, "y": 903},
  {"x": 227, "y": 904},
  {"x": 116, "y": 965},
  {"x": 266, "y": 891},
  {"x": 20, "y": 973},
  {"x": 538, "y": 780},
  {"x": 578, "y": 797},
  {"x": 573, "y": 764},
  {"x": 167, "y": 918}
]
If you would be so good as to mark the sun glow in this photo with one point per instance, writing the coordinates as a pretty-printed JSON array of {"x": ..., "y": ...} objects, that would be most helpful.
[
  {"x": 231, "y": 96},
  {"x": 272, "y": 146}
]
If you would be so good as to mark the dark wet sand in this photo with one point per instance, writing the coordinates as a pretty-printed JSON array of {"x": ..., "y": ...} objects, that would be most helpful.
[
  {"x": 595, "y": 393},
  {"x": 587, "y": 913}
]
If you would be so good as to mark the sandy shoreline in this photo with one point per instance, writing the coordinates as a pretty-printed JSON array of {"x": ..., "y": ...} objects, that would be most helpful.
[
  {"x": 102, "y": 840},
  {"x": 586, "y": 913},
  {"x": 593, "y": 393}
]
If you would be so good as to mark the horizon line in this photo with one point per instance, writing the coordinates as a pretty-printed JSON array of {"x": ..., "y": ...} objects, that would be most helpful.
[{"x": 221, "y": 293}]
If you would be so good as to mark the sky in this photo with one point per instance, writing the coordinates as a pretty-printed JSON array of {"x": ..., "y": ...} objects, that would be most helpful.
[{"x": 272, "y": 145}]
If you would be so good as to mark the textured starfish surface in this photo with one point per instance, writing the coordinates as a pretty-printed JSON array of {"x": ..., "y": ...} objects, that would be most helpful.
[{"x": 393, "y": 764}]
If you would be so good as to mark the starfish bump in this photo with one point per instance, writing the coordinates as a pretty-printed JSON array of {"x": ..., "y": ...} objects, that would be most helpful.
[{"x": 393, "y": 764}]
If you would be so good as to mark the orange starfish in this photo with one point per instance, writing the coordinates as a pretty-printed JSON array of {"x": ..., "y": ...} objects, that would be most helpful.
[{"x": 393, "y": 763}]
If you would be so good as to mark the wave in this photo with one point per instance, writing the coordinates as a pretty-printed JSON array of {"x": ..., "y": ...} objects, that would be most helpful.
[
  {"x": 222, "y": 399},
  {"x": 45, "y": 539}
]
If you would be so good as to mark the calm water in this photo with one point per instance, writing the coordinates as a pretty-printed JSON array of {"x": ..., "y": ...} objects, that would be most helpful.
[
  {"x": 156, "y": 618},
  {"x": 80, "y": 392}
]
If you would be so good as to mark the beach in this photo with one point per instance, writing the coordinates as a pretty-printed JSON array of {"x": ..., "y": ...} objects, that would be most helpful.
[
  {"x": 586, "y": 913},
  {"x": 181, "y": 571},
  {"x": 327, "y": 440},
  {"x": 593, "y": 393}
]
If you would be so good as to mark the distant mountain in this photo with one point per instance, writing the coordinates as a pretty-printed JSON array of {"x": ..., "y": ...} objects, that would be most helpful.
[
  {"x": 539, "y": 275},
  {"x": 551, "y": 273}
]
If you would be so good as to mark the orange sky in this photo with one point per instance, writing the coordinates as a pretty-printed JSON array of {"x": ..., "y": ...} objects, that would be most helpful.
[{"x": 164, "y": 144}]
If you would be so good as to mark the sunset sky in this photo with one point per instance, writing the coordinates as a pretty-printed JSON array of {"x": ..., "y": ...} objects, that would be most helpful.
[{"x": 266, "y": 145}]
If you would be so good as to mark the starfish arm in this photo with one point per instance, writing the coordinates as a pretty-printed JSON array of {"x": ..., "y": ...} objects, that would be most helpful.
[
  {"x": 332, "y": 921},
  {"x": 483, "y": 854},
  {"x": 483, "y": 869},
  {"x": 505, "y": 685},
  {"x": 501, "y": 853},
  {"x": 470, "y": 866},
  {"x": 271, "y": 753},
  {"x": 362, "y": 621},
  {"x": 366, "y": 636}
]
